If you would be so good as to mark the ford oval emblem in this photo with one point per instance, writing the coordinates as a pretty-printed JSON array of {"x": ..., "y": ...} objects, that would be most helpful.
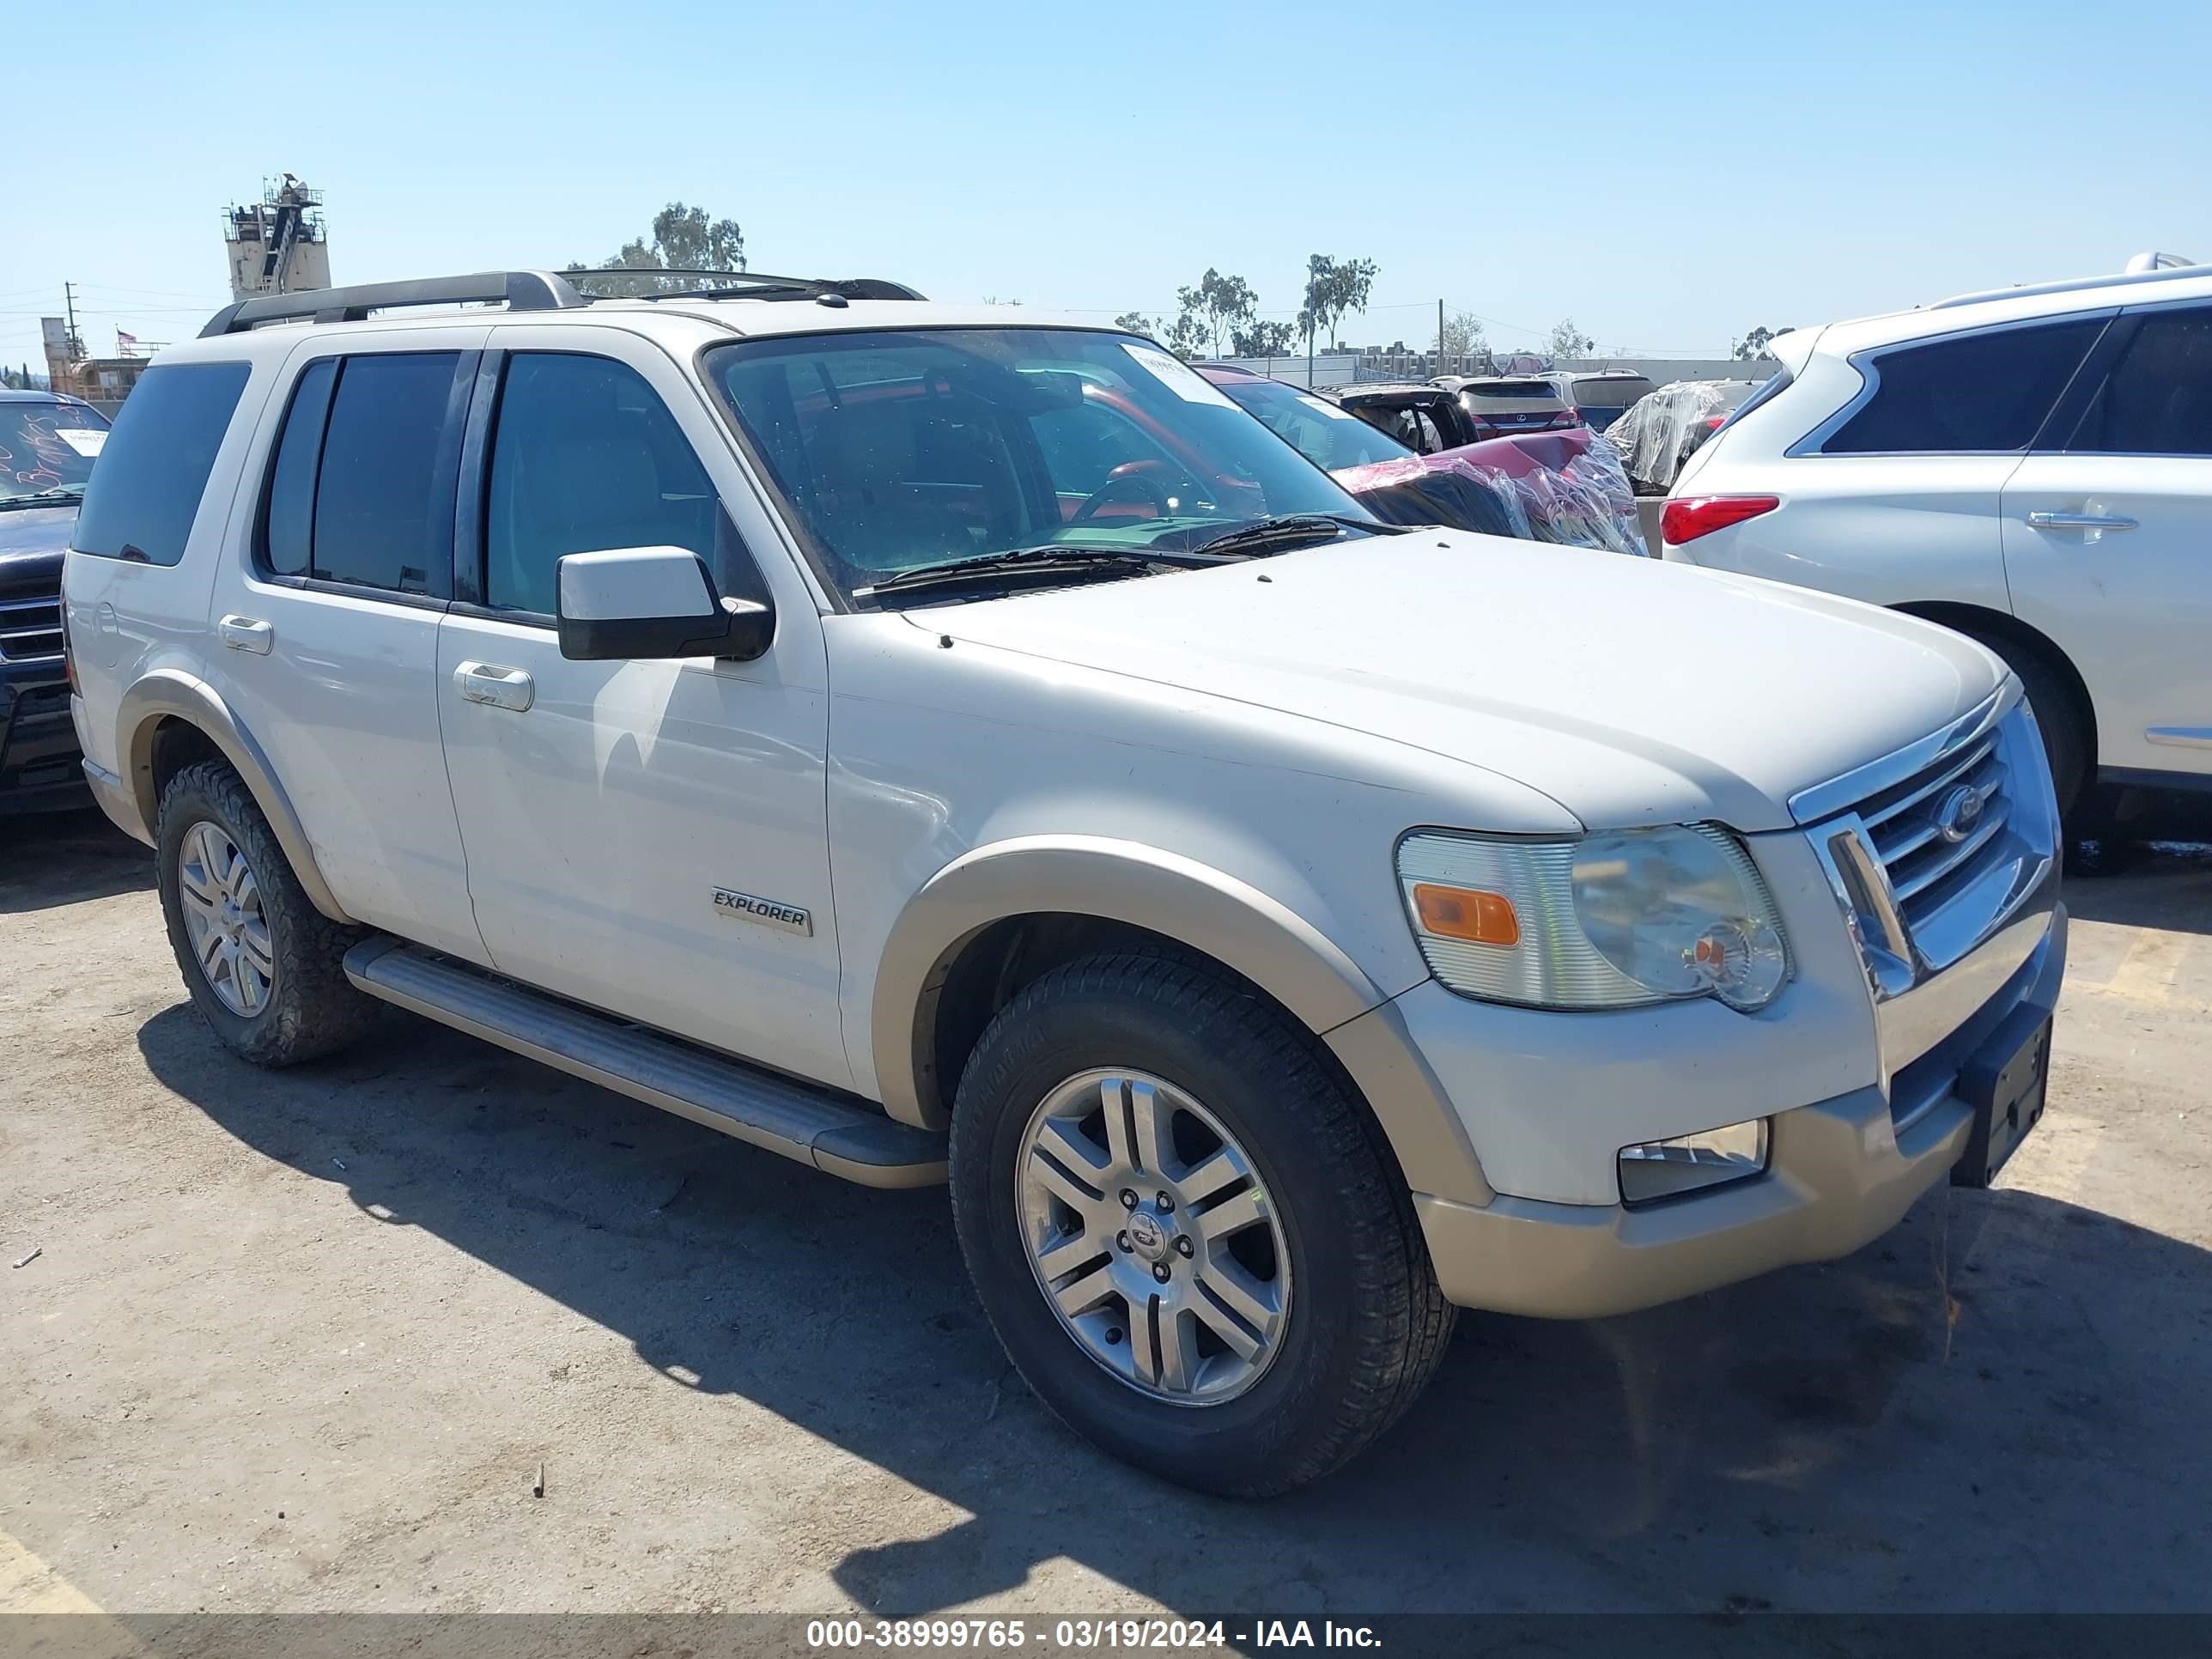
[{"x": 1960, "y": 812}]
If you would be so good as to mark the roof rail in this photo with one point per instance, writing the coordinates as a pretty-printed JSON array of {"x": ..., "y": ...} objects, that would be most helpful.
[
  {"x": 744, "y": 284},
  {"x": 521, "y": 290},
  {"x": 2127, "y": 279}
]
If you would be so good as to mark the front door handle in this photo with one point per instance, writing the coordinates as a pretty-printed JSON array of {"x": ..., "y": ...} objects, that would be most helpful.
[
  {"x": 2080, "y": 521},
  {"x": 245, "y": 634},
  {"x": 501, "y": 688}
]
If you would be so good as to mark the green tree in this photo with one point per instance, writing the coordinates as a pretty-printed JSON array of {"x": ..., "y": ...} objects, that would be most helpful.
[
  {"x": 1463, "y": 335},
  {"x": 1568, "y": 341},
  {"x": 1136, "y": 322},
  {"x": 1755, "y": 344},
  {"x": 1186, "y": 338},
  {"x": 1218, "y": 305},
  {"x": 1270, "y": 339},
  {"x": 1335, "y": 289},
  {"x": 682, "y": 239}
]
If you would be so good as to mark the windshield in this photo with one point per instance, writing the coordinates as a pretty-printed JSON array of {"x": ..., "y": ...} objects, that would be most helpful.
[
  {"x": 1325, "y": 435},
  {"x": 47, "y": 447},
  {"x": 894, "y": 451}
]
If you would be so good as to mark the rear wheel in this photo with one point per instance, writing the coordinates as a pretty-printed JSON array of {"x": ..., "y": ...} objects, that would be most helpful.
[
  {"x": 1183, "y": 1227},
  {"x": 262, "y": 964}
]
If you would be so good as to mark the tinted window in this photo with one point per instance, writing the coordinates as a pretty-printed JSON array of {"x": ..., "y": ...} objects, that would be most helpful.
[
  {"x": 1600, "y": 393},
  {"x": 383, "y": 507},
  {"x": 154, "y": 466},
  {"x": 585, "y": 457},
  {"x": 1979, "y": 392},
  {"x": 2159, "y": 400},
  {"x": 288, "y": 528},
  {"x": 1324, "y": 434}
]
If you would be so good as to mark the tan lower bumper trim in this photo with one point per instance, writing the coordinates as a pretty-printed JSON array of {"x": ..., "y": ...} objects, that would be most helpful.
[{"x": 1838, "y": 1178}]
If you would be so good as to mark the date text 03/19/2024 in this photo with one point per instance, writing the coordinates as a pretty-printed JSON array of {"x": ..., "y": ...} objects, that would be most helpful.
[{"x": 1077, "y": 1635}]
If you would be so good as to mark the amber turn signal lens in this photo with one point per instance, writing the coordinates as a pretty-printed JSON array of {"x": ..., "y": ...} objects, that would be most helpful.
[{"x": 1468, "y": 913}]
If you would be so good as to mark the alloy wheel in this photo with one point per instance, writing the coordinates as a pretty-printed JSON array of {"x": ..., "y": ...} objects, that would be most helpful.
[
  {"x": 221, "y": 904},
  {"x": 1153, "y": 1237}
]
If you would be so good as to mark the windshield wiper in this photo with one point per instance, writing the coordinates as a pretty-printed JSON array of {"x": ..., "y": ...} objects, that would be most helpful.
[
  {"x": 45, "y": 497},
  {"x": 1050, "y": 559},
  {"x": 1288, "y": 529}
]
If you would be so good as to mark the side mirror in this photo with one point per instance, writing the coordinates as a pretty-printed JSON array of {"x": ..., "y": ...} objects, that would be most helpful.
[{"x": 653, "y": 602}]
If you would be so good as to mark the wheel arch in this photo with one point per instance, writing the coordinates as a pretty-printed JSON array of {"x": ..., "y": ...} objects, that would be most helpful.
[
  {"x": 169, "y": 719},
  {"x": 1975, "y": 619},
  {"x": 1004, "y": 914}
]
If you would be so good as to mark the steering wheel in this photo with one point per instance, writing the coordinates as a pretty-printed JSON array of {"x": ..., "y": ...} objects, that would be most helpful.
[{"x": 1124, "y": 484}]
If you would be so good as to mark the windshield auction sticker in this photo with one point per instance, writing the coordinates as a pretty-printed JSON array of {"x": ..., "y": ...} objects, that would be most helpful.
[
  {"x": 85, "y": 440},
  {"x": 1177, "y": 375}
]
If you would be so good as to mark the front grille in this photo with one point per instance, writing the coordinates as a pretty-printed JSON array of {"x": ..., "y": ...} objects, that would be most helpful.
[
  {"x": 30, "y": 630},
  {"x": 1931, "y": 832}
]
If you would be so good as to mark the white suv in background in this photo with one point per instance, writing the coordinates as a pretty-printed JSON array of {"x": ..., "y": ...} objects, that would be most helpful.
[
  {"x": 2032, "y": 466},
  {"x": 916, "y": 741}
]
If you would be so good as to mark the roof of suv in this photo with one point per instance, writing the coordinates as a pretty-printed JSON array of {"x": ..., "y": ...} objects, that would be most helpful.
[
  {"x": 783, "y": 306},
  {"x": 2006, "y": 305}
]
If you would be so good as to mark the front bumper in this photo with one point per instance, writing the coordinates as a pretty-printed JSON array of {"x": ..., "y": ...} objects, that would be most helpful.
[
  {"x": 1842, "y": 1171},
  {"x": 38, "y": 743}
]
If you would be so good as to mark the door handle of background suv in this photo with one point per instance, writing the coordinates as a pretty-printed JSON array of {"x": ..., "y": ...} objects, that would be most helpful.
[
  {"x": 245, "y": 634},
  {"x": 2080, "y": 521},
  {"x": 499, "y": 687}
]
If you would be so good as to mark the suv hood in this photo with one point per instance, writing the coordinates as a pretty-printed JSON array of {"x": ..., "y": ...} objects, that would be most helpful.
[
  {"x": 1629, "y": 690},
  {"x": 32, "y": 541}
]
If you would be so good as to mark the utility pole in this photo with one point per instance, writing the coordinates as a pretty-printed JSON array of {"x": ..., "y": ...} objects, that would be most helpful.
[
  {"x": 1440, "y": 338},
  {"x": 68, "y": 304}
]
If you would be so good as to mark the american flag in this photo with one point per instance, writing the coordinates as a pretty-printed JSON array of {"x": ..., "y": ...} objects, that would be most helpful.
[{"x": 126, "y": 345}]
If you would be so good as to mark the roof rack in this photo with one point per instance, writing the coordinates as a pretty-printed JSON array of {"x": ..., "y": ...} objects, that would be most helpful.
[
  {"x": 749, "y": 284},
  {"x": 2137, "y": 272},
  {"x": 521, "y": 290}
]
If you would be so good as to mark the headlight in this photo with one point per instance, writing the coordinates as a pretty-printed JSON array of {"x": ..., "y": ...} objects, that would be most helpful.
[{"x": 1613, "y": 920}]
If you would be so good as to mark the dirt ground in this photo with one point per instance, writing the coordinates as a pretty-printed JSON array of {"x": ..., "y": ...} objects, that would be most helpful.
[{"x": 301, "y": 1342}]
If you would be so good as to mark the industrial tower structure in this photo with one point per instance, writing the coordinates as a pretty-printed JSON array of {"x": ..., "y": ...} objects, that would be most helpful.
[{"x": 278, "y": 245}]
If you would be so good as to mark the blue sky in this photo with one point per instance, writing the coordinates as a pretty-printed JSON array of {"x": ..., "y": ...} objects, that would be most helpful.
[{"x": 1668, "y": 174}]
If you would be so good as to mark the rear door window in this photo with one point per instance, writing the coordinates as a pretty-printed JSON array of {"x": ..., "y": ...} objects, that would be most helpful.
[
  {"x": 384, "y": 495},
  {"x": 2158, "y": 400},
  {"x": 1976, "y": 392},
  {"x": 140, "y": 501},
  {"x": 289, "y": 524}
]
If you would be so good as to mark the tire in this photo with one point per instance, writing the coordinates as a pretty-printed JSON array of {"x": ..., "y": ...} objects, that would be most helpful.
[
  {"x": 1362, "y": 1323},
  {"x": 306, "y": 1007},
  {"x": 2057, "y": 714}
]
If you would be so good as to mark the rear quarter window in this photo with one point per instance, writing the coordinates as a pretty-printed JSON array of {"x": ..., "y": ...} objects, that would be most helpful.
[
  {"x": 1986, "y": 392},
  {"x": 141, "y": 499}
]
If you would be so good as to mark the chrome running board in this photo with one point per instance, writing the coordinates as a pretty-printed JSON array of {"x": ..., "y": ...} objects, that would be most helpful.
[{"x": 837, "y": 1133}]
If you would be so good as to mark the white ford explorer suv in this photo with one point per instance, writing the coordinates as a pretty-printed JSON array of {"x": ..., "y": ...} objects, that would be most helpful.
[
  {"x": 2030, "y": 466},
  {"x": 923, "y": 741}
]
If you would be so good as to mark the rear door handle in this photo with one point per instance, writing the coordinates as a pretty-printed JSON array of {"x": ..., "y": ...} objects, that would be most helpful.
[
  {"x": 245, "y": 634},
  {"x": 498, "y": 687},
  {"x": 2080, "y": 521}
]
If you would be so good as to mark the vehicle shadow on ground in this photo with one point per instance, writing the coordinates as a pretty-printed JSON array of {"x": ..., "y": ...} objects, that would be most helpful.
[
  {"x": 2162, "y": 884},
  {"x": 48, "y": 860},
  {"x": 1998, "y": 1405}
]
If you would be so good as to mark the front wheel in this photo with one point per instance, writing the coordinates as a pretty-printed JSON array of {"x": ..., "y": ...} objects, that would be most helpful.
[{"x": 1184, "y": 1228}]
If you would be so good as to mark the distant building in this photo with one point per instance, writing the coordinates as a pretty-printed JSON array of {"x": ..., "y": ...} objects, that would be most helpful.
[{"x": 278, "y": 245}]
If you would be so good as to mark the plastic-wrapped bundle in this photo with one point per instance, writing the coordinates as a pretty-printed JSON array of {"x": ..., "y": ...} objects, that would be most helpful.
[
  {"x": 1566, "y": 487},
  {"x": 1663, "y": 428},
  {"x": 1439, "y": 489}
]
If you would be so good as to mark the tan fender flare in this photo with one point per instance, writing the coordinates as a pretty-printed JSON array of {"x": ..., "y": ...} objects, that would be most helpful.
[
  {"x": 1182, "y": 899},
  {"x": 172, "y": 694}
]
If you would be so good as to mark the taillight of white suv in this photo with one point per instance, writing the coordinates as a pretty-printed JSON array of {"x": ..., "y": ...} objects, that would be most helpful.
[{"x": 1689, "y": 517}]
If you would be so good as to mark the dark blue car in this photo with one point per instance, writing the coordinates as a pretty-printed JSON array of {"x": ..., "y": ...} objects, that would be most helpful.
[{"x": 48, "y": 443}]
